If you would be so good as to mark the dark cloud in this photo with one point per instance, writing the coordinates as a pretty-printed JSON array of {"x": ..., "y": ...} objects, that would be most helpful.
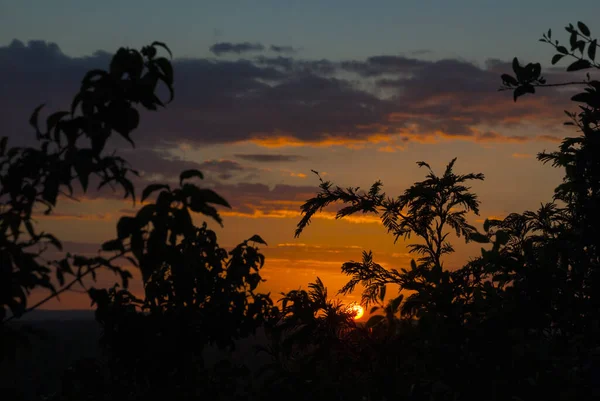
[
  {"x": 267, "y": 158},
  {"x": 304, "y": 101},
  {"x": 380, "y": 65},
  {"x": 283, "y": 49},
  {"x": 290, "y": 64},
  {"x": 237, "y": 48},
  {"x": 154, "y": 162}
]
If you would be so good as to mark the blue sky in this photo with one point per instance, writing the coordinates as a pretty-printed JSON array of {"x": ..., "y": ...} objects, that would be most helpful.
[{"x": 470, "y": 29}]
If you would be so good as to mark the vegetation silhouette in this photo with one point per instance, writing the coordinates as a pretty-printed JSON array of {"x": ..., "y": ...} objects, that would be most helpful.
[{"x": 519, "y": 322}]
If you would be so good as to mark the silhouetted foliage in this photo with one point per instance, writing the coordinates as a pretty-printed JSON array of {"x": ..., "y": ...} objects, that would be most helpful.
[
  {"x": 518, "y": 322},
  {"x": 196, "y": 293},
  {"x": 521, "y": 321}
]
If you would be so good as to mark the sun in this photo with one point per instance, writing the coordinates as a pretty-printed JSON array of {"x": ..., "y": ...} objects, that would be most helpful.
[{"x": 356, "y": 310}]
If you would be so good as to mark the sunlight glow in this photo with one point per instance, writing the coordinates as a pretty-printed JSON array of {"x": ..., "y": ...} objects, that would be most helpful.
[{"x": 356, "y": 310}]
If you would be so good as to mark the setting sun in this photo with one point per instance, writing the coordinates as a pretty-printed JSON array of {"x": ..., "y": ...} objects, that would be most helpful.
[{"x": 356, "y": 310}]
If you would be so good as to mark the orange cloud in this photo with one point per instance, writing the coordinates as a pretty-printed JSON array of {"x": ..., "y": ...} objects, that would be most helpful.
[
  {"x": 78, "y": 216},
  {"x": 522, "y": 156}
]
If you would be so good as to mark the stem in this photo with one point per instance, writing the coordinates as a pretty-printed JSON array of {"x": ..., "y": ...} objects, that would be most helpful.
[
  {"x": 63, "y": 289},
  {"x": 550, "y": 85}
]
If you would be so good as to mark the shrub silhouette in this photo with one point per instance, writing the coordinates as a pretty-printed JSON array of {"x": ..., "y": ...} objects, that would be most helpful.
[
  {"x": 195, "y": 292},
  {"x": 518, "y": 322}
]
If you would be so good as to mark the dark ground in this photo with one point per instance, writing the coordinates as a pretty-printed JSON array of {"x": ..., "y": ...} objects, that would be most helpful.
[{"x": 68, "y": 336}]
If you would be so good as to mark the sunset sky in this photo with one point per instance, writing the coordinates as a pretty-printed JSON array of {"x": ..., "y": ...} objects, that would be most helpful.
[{"x": 265, "y": 91}]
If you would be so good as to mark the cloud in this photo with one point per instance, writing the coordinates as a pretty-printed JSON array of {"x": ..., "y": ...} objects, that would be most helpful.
[
  {"x": 283, "y": 49},
  {"x": 269, "y": 158},
  {"x": 237, "y": 48},
  {"x": 387, "y": 100}
]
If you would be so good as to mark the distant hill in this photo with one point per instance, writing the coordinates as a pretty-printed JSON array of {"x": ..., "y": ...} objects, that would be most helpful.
[{"x": 59, "y": 315}]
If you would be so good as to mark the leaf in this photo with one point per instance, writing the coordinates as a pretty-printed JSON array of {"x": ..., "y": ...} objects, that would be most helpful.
[
  {"x": 479, "y": 238},
  {"x": 556, "y": 58},
  {"x": 583, "y": 28},
  {"x": 113, "y": 245},
  {"x": 210, "y": 196},
  {"x": 256, "y": 238},
  {"x": 374, "y": 321},
  {"x": 33, "y": 120},
  {"x": 382, "y": 290},
  {"x": 562, "y": 49},
  {"x": 167, "y": 69},
  {"x": 592, "y": 49},
  {"x": 164, "y": 46},
  {"x": 50, "y": 192},
  {"x": 189, "y": 174},
  {"x": 65, "y": 266},
  {"x": 144, "y": 215},
  {"x": 521, "y": 90},
  {"x": 153, "y": 187},
  {"x": 60, "y": 277},
  {"x": 579, "y": 65},
  {"x": 573, "y": 40},
  {"x": 516, "y": 67},
  {"x": 83, "y": 166},
  {"x": 395, "y": 303},
  {"x": 54, "y": 118},
  {"x": 509, "y": 80},
  {"x": 126, "y": 226},
  {"x": 502, "y": 237},
  {"x": 54, "y": 241},
  {"x": 3, "y": 143},
  {"x": 581, "y": 97}
]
